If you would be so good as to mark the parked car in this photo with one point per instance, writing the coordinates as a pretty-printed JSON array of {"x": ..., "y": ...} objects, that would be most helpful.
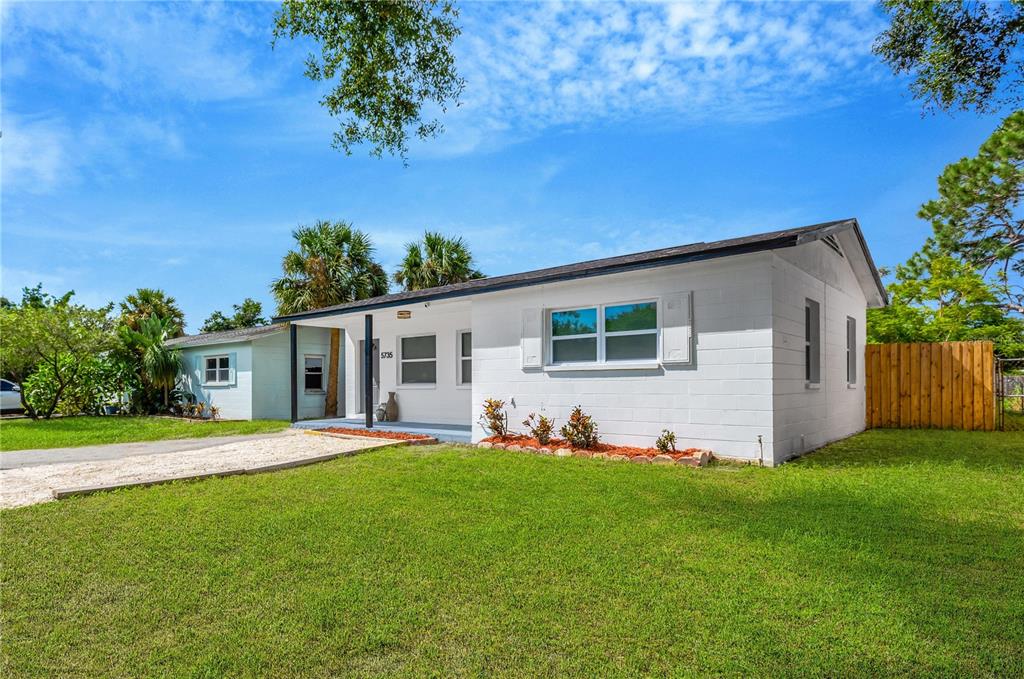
[{"x": 10, "y": 397}]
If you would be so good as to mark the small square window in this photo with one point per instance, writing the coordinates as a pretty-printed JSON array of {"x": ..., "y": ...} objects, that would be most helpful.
[{"x": 217, "y": 370}]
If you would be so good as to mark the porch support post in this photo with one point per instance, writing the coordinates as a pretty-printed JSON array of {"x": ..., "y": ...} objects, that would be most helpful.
[
  {"x": 368, "y": 371},
  {"x": 293, "y": 352}
]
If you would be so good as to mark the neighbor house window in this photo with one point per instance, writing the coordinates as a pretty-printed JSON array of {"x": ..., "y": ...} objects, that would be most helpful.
[
  {"x": 465, "y": 357},
  {"x": 851, "y": 350},
  {"x": 418, "y": 360},
  {"x": 607, "y": 333},
  {"x": 314, "y": 373},
  {"x": 812, "y": 341},
  {"x": 217, "y": 370}
]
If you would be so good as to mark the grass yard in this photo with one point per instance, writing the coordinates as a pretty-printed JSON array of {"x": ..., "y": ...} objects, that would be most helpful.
[
  {"x": 889, "y": 553},
  {"x": 63, "y": 432}
]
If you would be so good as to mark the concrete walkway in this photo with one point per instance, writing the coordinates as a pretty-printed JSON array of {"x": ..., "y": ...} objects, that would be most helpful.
[{"x": 19, "y": 459}]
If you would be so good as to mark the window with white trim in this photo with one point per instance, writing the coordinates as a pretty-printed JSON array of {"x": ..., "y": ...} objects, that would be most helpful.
[
  {"x": 465, "y": 357},
  {"x": 812, "y": 341},
  {"x": 314, "y": 372},
  {"x": 851, "y": 350},
  {"x": 417, "y": 360},
  {"x": 217, "y": 369},
  {"x": 609, "y": 333}
]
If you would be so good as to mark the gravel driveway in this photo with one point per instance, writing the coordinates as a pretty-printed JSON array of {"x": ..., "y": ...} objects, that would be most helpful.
[{"x": 32, "y": 485}]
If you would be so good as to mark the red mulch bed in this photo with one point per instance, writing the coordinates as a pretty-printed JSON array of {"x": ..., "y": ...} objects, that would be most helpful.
[
  {"x": 377, "y": 434},
  {"x": 607, "y": 448}
]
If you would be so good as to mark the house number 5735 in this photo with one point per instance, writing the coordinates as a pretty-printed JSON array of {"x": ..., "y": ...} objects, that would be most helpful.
[{"x": 387, "y": 354}]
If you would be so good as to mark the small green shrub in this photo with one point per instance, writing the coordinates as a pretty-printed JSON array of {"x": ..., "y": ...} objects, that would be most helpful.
[
  {"x": 581, "y": 430},
  {"x": 540, "y": 427},
  {"x": 494, "y": 419},
  {"x": 666, "y": 443}
]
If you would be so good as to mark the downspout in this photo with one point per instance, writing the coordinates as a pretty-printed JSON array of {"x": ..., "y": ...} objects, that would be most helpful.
[
  {"x": 293, "y": 352},
  {"x": 368, "y": 371}
]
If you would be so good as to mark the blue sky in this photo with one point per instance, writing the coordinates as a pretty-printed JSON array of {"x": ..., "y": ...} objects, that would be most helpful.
[{"x": 167, "y": 145}]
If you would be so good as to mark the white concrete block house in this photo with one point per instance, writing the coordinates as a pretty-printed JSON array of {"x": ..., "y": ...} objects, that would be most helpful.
[{"x": 749, "y": 346}]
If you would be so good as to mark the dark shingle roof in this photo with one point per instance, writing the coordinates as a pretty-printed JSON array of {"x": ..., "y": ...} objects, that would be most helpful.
[
  {"x": 600, "y": 267},
  {"x": 225, "y": 336}
]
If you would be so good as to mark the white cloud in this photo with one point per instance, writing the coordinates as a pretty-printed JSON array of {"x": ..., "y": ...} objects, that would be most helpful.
[
  {"x": 531, "y": 67},
  {"x": 194, "y": 51},
  {"x": 32, "y": 154},
  {"x": 42, "y": 153}
]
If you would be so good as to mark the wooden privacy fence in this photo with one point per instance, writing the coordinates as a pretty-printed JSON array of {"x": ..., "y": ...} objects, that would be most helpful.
[{"x": 945, "y": 385}]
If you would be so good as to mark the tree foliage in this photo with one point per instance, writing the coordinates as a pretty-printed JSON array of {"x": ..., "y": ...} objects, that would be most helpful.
[
  {"x": 248, "y": 314},
  {"x": 434, "y": 261},
  {"x": 159, "y": 363},
  {"x": 385, "y": 60},
  {"x": 333, "y": 264},
  {"x": 147, "y": 302},
  {"x": 58, "y": 338},
  {"x": 978, "y": 212},
  {"x": 938, "y": 297},
  {"x": 962, "y": 55}
]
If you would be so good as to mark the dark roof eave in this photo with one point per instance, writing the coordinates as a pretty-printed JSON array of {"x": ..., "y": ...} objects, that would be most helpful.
[{"x": 677, "y": 255}]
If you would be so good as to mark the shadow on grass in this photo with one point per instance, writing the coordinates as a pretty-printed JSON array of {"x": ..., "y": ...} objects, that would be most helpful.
[{"x": 995, "y": 451}]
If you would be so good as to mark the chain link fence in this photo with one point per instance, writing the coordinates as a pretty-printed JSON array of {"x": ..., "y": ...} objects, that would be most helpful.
[{"x": 1010, "y": 394}]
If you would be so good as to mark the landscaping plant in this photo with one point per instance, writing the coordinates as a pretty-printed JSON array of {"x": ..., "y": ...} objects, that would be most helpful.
[
  {"x": 540, "y": 427},
  {"x": 581, "y": 430},
  {"x": 666, "y": 443},
  {"x": 494, "y": 419}
]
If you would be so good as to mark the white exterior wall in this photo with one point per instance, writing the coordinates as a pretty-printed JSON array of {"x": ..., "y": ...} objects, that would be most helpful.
[
  {"x": 234, "y": 400},
  {"x": 722, "y": 401},
  {"x": 271, "y": 398},
  {"x": 807, "y": 418},
  {"x": 445, "y": 402}
]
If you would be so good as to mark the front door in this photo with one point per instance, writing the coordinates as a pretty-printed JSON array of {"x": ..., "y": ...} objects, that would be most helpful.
[{"x": 361, "y": 360}]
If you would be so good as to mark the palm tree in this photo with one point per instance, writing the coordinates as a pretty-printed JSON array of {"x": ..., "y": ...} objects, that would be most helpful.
[
  {"x": 435, "y": 261},
  {"x": 333, "y": 264},
  {"x": 160, "y": 364},
  {"x": 147, "y": 302}
]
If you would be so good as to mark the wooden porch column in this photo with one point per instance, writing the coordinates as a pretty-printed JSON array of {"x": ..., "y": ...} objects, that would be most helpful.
[
  {"x": 368, "y": 371},
  {"x": 293, "y": 352}
]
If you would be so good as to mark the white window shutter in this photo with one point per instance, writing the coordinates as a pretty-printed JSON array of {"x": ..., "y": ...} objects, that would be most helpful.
[
  {"x": 532, "y": 342},
  {"x": 677, "y": 328},
  {"x": 200, "y": 370},
  {"x": 232, "y": 362}
]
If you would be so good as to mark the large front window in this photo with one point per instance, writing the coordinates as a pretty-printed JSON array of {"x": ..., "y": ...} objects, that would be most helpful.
[
  {"x": 609, "y": 333},
  {"x": 418, "y": 360}
]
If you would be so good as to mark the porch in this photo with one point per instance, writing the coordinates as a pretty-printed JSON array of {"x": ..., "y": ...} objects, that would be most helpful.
[{"x": 451, "y": 433}]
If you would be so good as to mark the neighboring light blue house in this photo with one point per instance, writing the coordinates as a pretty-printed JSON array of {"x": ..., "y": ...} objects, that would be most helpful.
[{"x": 245, "y": 372}]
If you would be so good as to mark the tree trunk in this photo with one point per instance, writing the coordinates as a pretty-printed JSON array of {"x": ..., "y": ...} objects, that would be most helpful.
[{"x": 331, "y": 403}]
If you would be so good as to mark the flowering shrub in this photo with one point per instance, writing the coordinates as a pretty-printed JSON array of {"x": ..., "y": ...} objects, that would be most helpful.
[
  {"x": 494, "y": 419},
  {"x": 540, "y": 427},
  {"x": 666, "y": 443},
  {"x": 581, "y": 430}
]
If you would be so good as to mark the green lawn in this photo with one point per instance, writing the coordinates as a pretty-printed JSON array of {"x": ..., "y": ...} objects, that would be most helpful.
[
  {"x": 64, "y": 432},
  {"x": 890, "y": 553}
]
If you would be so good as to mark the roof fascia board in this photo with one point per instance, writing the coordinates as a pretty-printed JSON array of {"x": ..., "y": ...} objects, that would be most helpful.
[{"x": 683, "y": 258}]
